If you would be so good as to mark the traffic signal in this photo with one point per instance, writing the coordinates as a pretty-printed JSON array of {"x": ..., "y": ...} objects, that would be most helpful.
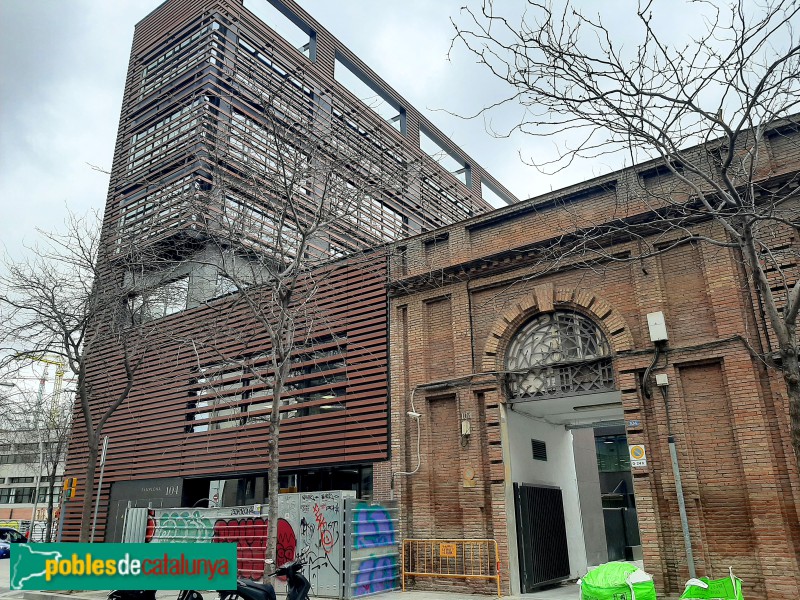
[{"x": 70, "y": 483}]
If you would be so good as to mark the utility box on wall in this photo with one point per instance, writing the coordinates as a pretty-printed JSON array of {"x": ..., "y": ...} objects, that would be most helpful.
[{"x": 657, "y": 326}]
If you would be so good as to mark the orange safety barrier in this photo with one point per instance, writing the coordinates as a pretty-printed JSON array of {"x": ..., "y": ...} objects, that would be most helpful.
[{"x": 461, "y": 559}]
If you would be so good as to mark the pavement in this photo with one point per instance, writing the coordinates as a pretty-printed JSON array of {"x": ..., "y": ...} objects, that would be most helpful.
[{"x": 565, "y": 591}]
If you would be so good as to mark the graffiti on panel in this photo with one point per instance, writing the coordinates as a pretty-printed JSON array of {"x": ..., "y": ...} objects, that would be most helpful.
[
  {"x": 178, "y": 526},
  {"x": 250, "y": 536},
  {"x": 320, "y": 531},
  {"x": 371, "y": 551},
  {"x": 249, "y": 533},
  {"x": 372, "y": 526},
  {"x": 38, "y": 531},
  {"x": 376, "y": 574},
  {"x": 310, "y": 520}
]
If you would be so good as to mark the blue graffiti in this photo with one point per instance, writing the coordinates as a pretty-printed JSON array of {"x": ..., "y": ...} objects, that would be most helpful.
[
  {"x": 372, "y": 527},
  {"x": 376, "y": 575}
]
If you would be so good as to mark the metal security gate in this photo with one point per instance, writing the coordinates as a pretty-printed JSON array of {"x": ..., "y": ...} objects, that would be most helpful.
[{"x": 541, "y": 536}]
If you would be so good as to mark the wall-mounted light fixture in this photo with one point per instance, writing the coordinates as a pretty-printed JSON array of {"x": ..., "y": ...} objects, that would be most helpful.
[{"x": 466, "y": 425}]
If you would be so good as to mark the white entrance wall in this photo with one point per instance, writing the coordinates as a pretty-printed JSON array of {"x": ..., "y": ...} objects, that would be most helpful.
[{"x": 558, "y": 471}]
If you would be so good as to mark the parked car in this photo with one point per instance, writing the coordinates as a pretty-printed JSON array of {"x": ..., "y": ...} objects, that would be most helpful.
[{"x": 8, "y": 536}]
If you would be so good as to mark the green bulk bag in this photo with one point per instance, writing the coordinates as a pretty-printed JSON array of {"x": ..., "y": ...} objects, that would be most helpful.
[
  {"x": 617, "y": 581},
  {"x": 727, "y": 588}
]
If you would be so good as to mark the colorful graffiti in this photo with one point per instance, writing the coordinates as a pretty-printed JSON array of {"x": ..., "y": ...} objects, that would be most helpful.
[
  {"x": 376, "y": 574},
  {"x": 248, "y": 533},
  {"x": 372, "y": 526},
  {"x": 250, "y": 536},
  {"x": 311, "y": 520},
  {"x": 178, "y": 526},
  {"x": 371, "y": 551}
]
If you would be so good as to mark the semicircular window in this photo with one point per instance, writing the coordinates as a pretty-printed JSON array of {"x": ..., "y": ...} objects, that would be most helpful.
[{"x": 559, "y": 354}]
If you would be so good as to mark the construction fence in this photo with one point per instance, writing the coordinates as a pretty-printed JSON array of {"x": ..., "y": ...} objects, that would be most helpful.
[
  {"x": 36, "y": 531},
  {"x": 451, "y": 559},
  {"x": 352, "y": 545}
]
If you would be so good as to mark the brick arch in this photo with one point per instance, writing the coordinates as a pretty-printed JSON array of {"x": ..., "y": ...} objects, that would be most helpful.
[{"x": 547, "y": 298}]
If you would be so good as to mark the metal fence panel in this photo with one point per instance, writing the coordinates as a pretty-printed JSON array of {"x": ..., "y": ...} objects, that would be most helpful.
[
  {"x": 451, "y": 559},
  {"x": 313, "y": 520},
  {"x": 321, "y": 532},
  {"x": 371, "y": 551}
]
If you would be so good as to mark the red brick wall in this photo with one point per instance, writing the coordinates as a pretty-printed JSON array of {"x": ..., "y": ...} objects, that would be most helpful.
[{"x": 728, "y": 412}]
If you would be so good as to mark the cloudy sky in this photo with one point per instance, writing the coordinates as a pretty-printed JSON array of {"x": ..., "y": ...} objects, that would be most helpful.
[{"x": 63, "y": 65}]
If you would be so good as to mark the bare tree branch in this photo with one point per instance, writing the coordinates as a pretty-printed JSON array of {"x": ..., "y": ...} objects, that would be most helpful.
[{"x": 708, "y": 109}]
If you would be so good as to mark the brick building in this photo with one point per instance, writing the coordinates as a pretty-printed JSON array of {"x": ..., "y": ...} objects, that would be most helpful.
[
  {"x": 529, "y": 376},
  {"x": 211, "y": 85}
]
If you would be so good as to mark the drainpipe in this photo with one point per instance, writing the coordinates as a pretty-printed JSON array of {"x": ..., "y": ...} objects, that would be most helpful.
[
  {"x": 687, "y": 540},
  {"x": 662, "y": 381},
  {"x": 658, "y": 335}
]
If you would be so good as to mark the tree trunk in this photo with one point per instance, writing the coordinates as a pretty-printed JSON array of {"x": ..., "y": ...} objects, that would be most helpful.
[
  {"x": 273, "y": 482},
  {"x": 88, "y": 490},
  {"x": 791, "y": 375}
]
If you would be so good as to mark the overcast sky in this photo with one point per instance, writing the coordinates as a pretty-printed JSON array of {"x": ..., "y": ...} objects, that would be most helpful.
[{"x": 63, "y": 65}]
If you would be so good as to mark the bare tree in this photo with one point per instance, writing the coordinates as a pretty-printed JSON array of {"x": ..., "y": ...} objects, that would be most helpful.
[
  {"x": 716, "y": 112},
  {"x": 291, "y": 199},
  {"x": 86, "y": 302}
]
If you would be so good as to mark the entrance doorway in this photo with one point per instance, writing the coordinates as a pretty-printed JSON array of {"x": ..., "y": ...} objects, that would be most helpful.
[
  {"x": 560, "y": 388},
  {"x": 575, "y": 445},
  {"x": 616, "y": 493}
]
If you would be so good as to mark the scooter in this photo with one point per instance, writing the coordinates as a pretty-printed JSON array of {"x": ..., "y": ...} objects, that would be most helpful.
[
  {"x": 297, "y": 586},
  {"x": 150, "y": 595}
]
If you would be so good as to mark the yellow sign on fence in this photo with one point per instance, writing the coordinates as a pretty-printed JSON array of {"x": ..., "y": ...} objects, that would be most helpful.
[{"x": 447, "y": 550}]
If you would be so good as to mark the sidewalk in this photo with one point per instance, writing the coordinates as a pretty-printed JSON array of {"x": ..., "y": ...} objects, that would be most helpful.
[
  {"x": 567, "y": 591},
  {"x": 564, "y": 592}
]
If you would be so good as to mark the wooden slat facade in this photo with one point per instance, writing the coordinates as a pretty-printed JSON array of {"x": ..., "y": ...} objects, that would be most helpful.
[
  {"x": 151, "y": 433},
  {"x": 192, "y": 110}
]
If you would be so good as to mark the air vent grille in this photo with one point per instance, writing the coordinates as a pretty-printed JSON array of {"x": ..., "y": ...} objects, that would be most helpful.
[{"x": 539, "y": 450}]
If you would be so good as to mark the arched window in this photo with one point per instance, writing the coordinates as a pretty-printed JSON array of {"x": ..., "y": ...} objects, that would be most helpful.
[{"x": 558, "y": 354}]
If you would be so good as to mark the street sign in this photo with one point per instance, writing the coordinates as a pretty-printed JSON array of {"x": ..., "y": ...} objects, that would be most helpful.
[
  {"x": 634, "y": 423},
  {"x": 638, "y": 456}
]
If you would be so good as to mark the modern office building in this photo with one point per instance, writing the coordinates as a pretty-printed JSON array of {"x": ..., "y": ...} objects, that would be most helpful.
[
  {"x": 19, "y": 471},
  {"x": 212, "y": 85}
]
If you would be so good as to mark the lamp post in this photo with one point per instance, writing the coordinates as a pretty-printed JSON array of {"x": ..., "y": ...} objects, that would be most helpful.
[{"x": 38, "y": 417}]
